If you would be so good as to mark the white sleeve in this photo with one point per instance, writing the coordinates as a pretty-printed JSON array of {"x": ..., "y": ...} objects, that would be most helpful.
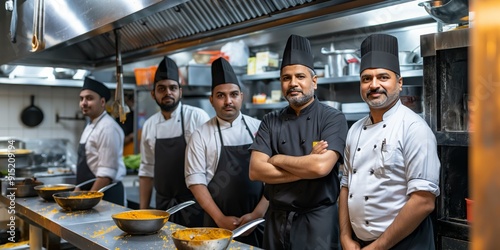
[
  {"x": 110, "y": 152},
  {"x": 146, "y": 167},
  {"x": 195, "y": 164}
]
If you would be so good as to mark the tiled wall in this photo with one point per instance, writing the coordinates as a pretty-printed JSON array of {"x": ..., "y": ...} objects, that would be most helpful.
[{"x": 51, "y": 100}]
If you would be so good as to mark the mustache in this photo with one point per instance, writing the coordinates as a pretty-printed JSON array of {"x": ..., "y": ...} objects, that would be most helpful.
[
  {"x": 168, "y": 97},
  {"x": 293, "y": 90},
  {"x": 377, "y": 91},
  {"x": 228, "y": 106}
]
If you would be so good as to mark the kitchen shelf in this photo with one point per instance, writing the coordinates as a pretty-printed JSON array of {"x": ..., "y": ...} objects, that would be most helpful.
[
  {"x": 447, "y": 138},
  {"x": 56, "y": 82},
  {"x": 274, "y": 75},
  {"x": 274, "y": 105}
]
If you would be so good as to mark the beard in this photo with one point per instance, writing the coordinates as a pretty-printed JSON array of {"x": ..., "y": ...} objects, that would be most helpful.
[
  {"x": 299, "y": 100},
  {"x": 168, "y": 107},
  {"x": 381, "y": 102}
]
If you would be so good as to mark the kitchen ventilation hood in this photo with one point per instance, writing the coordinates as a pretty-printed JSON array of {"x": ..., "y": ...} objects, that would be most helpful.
[{"x": 79, "y": 34}]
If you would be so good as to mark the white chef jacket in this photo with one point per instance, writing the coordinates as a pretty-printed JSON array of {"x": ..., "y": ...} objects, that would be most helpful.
[
  {"x": 157, "y": 127},
  {"x": 204, "y": 148},
  {"x": 384, "y": 163},
  {"x": 104, "y": 147}
]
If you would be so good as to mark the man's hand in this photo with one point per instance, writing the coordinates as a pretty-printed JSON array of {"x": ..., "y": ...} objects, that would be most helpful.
[
  {"x": 319, "y": 147},
  {"x": 228, "y": 222}
]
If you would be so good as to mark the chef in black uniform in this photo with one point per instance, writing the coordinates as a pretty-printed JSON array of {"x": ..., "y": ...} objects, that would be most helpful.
[
  {"x": 296, "y": 153},
  {"x": 100, "y": 153},
  {"x": 217, "y": 159},
  {"x": 163, "y": 144}
]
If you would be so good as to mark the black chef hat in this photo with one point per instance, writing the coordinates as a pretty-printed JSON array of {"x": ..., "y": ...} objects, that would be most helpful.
[
  {"x": 97, "y": 87},
  {"x": 167, "y": 70},
  {"x": 222, "y": 72},
  {"x": 380, "y": 51},
  {"x": 297, "y": 51}
]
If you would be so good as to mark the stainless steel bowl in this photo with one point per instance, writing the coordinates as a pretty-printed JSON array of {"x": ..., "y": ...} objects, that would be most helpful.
[
  {"x": 448, "y": 11},
  {"x": 69, "y": 201},
  {"x": 136, "y": 222},
  {"x": 46, "y": 191}
]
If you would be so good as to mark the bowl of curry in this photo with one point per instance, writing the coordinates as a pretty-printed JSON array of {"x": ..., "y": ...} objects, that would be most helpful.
[
  {"x": 143, "y": 221},
  {"x": 78, "y": 200},
  {"x": 46, "y": 191}
]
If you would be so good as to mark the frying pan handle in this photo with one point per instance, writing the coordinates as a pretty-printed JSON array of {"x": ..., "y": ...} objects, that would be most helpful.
[
  {"x": 240, "y": 230},
  {"x": 180, "y": 206},
  {"x": 85, "y": 182},
  {"x": 107, "y": 187}
]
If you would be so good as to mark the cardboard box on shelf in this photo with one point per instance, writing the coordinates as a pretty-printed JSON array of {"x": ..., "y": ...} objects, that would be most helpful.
[
  {"x": 251, "y": 65},
  {"x": 266, "y": 59}
]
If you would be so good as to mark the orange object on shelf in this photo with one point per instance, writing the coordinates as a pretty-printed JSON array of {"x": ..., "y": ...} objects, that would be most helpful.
[
  {"x": 469, "y": 203},
  {"x": 145, "y": 76},
  {"x": 208, "y": 56}
]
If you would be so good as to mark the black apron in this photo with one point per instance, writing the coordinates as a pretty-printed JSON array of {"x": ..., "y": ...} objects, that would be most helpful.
[
  {"x": 83, "y": 173},
  {"x": 301, "y": 230},
  {"x": 169, "y": 180},
  {"x": 232, "y": 190},
  {"x": 421, "y": 238}
]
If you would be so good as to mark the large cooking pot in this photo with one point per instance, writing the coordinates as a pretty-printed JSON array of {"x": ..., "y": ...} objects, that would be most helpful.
[
  {"x": 18, "y": 158},
  {"x": 209, "y": 238},
  {"x": 21, "y": 187},
  {"x": 146, "y": 221},
  {"x": 46, "y": 191},
  {"x": 447, "y": 11},
  {"x": 80, "y": 200}
]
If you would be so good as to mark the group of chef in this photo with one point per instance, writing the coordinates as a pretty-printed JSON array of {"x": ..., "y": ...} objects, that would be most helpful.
[{"x": 285, "y": 167}]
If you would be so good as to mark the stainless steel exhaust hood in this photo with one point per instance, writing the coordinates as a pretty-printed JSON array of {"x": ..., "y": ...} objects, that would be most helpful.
[{"x": 79, "y": 34}]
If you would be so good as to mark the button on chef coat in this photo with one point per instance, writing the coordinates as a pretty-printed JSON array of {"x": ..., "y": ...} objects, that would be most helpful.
[
  {"x": 384, "y": 163},
  {"x": 203, "y": 150},
  {"x": 157, "y": 127},
  {"x": 104, "y": 147}
]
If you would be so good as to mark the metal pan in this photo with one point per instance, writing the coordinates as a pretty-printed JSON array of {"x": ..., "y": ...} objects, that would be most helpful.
[
  {"x": 46, "y": 191},
  {"x": 80, "y": 200},
  {"x": 32, "y": 116},
  {"x": 209, "y": 238},
  {"x": 146, "y": 221}
]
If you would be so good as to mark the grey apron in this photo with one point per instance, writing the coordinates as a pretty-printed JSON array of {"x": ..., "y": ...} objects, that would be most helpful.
[
  {"x": 83, "y": 173},
  {"x": 169, "y": 181},
  {"x": 232, "y": 190}
]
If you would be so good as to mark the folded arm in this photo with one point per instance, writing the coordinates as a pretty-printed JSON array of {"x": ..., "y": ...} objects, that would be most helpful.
[
  {"x": 310, "y": 166},
  {"x": 262, "y": 170}
]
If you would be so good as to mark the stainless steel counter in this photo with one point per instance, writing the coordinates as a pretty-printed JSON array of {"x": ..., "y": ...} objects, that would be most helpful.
[{"x": 92, "y": 229}]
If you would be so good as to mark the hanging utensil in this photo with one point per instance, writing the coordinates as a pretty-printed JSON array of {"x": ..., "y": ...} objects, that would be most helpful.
[
  {"x": 11, "y": 5},
  {"x": 32, "y": 116},
  {"x": 37, "y": 42},
  {"x": 120, "y": 109}
]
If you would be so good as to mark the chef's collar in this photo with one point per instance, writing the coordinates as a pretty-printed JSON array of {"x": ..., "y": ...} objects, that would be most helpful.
[
  {"x": 306, "y": 110},
  {"x": 387, "y": 113},
  {"x": 94, "y": 122},
  {"x": 226, "y": 124}
]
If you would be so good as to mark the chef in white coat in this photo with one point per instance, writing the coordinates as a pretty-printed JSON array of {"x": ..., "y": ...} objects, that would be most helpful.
[
  {"x": 100, "y": 153},
  {"x": 163, "y": 144},
  {"x": 391, "y": 176}
]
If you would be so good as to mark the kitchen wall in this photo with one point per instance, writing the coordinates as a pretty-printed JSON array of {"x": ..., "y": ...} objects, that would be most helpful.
[{"x": 51, "y": 100}]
